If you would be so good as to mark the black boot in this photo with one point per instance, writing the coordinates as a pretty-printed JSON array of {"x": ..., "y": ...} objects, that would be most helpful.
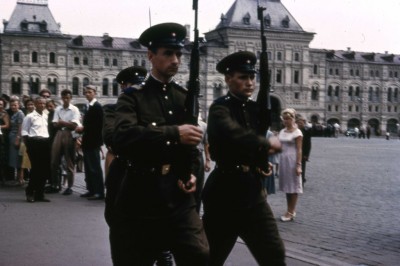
[{"x": 165, "y": 259}]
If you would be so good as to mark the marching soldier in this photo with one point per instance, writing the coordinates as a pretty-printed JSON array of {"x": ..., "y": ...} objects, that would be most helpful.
[
  {"x": 155, "y": 201},
  {"x": 233, "y": 197}
]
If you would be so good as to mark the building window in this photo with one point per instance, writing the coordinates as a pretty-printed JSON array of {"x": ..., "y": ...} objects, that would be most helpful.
[
  {"x": 15, "y": 85},
  {"x": 85, "y": 82},
  {"x": 314, "y": 93},
  {"x": 76, "y": 60},
  {"x": 350, "y": 92},
  {"x": 106, "y": 62},
  {"x": 377, "y": 94},
  {"x": 336, "y": 108},
  {"x": 337, "y": 91},
  {"x": 377, "y": 108},
  {"x": 377, "y": 73},
  {"x": 85, "y": 61},
  {"x": 75, "y": 86},
  {"x": 285, "y": 22},
  {"x": 279, "y": 76},
  {"x": 296, "y": 76},
  {"x": 246, "y": 19},
  {"x": 357, "y": 94},
  {"x": 269, "y": 55},
  {"x": 350, "y": 108},
  {"x": 34, "y": 57},
  {"x": 329, "y": 108},
  {"x": 217, "y": 90},
  {"x": 395, "y": 74},
  {"x": 105, "y": 87},
  {"x": 357, "y": 72},
  {"x": 370, "y": 91},
  {"x": 115, "y": 62},
  {"x": 296, "y": 57},
  {"x": 52, "y": 85},
  {"x": 279, "y": 56},
  {"x": 370, "y": 108},
  {"x": 52, "y": 58},
  {"x": 389, "y": 109},
  {"x": 395, "y": 95},
  {"x": 330, "y": 89},
  {"x": 330, "y": 71},
  {"x": 315, "y": 70},
  {"x": 267, "y": 21},
  {"x": 135, "y": 62},
  {"x": 337, "y": 72},
  {"x": 296, "y": 95},
  {"x": 351, "y": 72},
  {"x": 143, "y": 63},
  {"x": 34, "y": 85},
  {"x": 389, "y": 95},
  {"x": 16, "y": 57},
  {"x": 390, "y": 74},
  {"x": 115, "y": 87},
  {"x": 371, "y": 73}
]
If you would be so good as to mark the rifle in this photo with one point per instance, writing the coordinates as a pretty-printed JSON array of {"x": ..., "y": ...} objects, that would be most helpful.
[
  {"x": 192, "y": 99},
  {"x": 263, "y": 98}
]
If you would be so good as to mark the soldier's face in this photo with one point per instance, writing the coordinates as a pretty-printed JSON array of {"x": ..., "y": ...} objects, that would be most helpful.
[
  {"x": 90, "y": 94},
  {"x": 165, "y": 62},
  {"x": 240, "y": 84}
]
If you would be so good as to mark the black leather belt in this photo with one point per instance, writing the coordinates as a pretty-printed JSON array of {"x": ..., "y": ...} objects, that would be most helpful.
[
  {"x": 163, "y": 169},
  {"x": 236, "y": 167}
]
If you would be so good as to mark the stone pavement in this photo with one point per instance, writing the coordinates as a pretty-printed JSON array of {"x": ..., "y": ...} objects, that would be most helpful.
[{"x": 348, "y": 215}]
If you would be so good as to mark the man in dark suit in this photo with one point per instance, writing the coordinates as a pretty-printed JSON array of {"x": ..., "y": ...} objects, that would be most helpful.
[
  {"x": 92, "y": 141},
  {"x": 306, "y": 148}
]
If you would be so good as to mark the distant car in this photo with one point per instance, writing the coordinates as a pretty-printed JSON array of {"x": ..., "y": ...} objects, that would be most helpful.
[{"x": 350, "y": 132}]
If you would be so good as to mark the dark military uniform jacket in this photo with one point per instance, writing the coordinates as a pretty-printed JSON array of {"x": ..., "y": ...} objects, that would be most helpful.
[
  {"x": 238, "y": 150},
  {"x": 146, "y": 136}
]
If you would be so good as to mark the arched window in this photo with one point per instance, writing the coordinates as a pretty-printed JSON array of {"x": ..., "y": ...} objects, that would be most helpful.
[
  {"x": 330, "y": 91},
  {"x": 217, "y": 90},
  {"x": 314, "y": 93},
  {"x": 370, "y": 92},
  {"x": 396, "y": 95},
  {"x": 115, "y": 88},
  {"x": 34, "y": 85},
  {"x": 377, "y": 94},
  {"x": 315, "y": 70},
  {"x": 389, "y": 95},
  {"x": 85, "y": 82},
  {"x": 16, "y": 85},
  {"x": 105, "y": 86},
  {"x": 357, "y": 94},
  {"x": 296, "y": 57},
  {"x": 351, "y": 92},
  {"x": 75, "y": 86},
  {"x": 52, "y": 58},
  {"x": 34, "y": 57},
  {"x": 16, "y": 57},
  {"x": 52, "y": 85},
  {"x": 337, "y": 91}
]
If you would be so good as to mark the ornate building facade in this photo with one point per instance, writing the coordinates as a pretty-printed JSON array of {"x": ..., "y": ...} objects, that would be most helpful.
[{"x": 347, "y": 87}]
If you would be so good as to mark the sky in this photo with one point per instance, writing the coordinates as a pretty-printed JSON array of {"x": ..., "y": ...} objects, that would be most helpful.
[{"x": 362, "y": 25}]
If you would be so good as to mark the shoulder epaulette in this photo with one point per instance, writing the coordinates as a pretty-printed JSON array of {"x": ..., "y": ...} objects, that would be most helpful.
[
  {"x": 176, "y": 85},
  {"x": 132, "y": 89},
  {"x": 222, "y": 99}
]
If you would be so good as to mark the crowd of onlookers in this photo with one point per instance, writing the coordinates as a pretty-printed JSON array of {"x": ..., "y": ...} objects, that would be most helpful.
[{"x": 15, "y": 165}]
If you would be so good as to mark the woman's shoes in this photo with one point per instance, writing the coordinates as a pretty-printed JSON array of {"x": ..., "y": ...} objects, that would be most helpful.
[{"x": 288, "y": 217}]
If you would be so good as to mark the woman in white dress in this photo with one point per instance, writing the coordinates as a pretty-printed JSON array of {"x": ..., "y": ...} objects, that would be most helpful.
[{"x": 290, "y": 162}]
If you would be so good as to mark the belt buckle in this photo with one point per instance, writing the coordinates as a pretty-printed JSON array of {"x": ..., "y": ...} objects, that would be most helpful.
[
  {"x": 165, "y": 169},
  {"x": 245, "y": 168}
]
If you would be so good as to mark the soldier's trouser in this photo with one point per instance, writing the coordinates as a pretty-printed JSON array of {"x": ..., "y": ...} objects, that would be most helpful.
[
  {"x": 140, "y": 241},
  {"x": 256, "y": 226}
]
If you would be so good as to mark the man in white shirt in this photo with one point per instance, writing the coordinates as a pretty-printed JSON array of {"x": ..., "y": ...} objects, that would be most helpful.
[
  {"x": 36, "y": 137},
  {"x": 66, "y": 119}
]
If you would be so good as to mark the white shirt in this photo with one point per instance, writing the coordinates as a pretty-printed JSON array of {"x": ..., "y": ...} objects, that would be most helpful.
[
  {"x": 69, "y": 114},
  {"x": 35, "y": 125}
]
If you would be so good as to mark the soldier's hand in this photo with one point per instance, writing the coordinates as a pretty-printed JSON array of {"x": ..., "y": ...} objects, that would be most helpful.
[
  {"x": 275, "y": 145},
  {"x": 189, "y": 186},
  {"x": 190, "y": 135}
]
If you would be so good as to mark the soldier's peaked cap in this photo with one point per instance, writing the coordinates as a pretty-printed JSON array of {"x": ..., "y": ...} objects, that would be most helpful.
[
  {"x": 133, "y": 74},
  {"x": 163, "y": 35},
  {"x": 242, "y": 61}
]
